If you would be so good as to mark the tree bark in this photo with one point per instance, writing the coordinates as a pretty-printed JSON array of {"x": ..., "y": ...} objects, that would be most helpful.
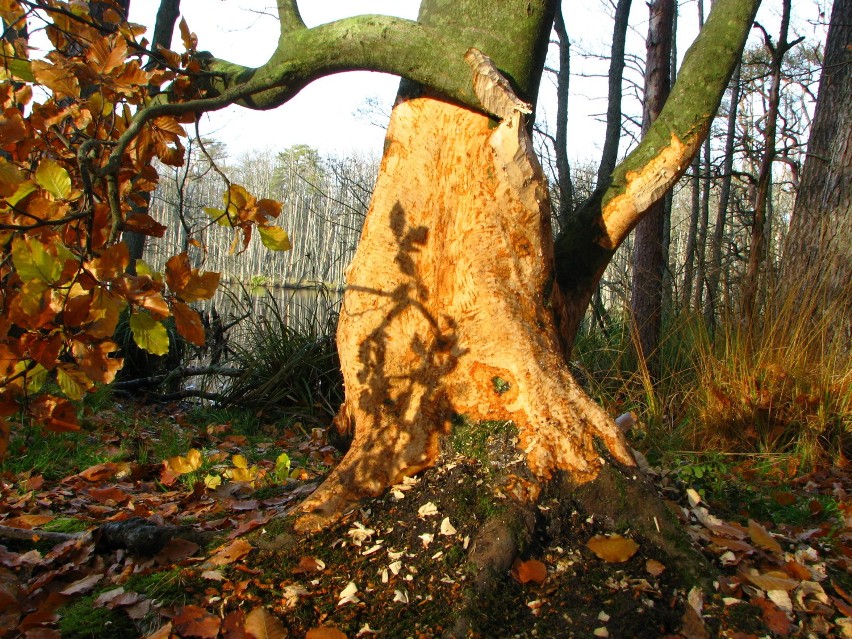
[
  {"x": 757, "y": 252},
  {"x": 646, "y": 298},
  {"x": 714, "y": 270},
  {"x": 164, "y": 28},
  {"x": 817, "y": 265},
  {"x": 563, "y": 81},
  {"x": 609, "y": 153}
]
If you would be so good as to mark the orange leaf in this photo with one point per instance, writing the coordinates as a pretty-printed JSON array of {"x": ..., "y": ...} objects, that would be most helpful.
[
  {"x": 188, "y": 323},
  {"x": 325, "y": 632},
  {"x": 761, "y": 537},
  {"x": 262, "y": 624},
  {"x": 654, "y": 567},
  {"x": 194, "y": 621},
  {"x": 55, "y": 414},
  {"x": 201, "y": 286},
  {"x": 28, "y": 521},
  {"x": 772, "y": 580},
  {"x": 612, "y": 549},
  {"x": 99, "y": 472},
  {"x": 12, "y": 128},
  {"x": 530, "y": 570},
  {"x": 234, "y": 551},
  {"x": 178, "y": 272},
  {"x": 145, "y": 225},
  {"x": 105, "y": 56},
  {"x": 774, "y": 617}
]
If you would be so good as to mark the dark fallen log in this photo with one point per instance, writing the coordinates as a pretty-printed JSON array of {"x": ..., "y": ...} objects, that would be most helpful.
[{"x": 135, "y": 535}]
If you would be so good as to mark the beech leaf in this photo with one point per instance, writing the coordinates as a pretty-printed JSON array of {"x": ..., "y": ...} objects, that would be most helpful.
[
  {"x": 325, "y": 632},
  {"x": 194, "y": 621},
  {"x": 274, "y": 238},
  {"x": 612, "y": 549},
  {"x": 262, "y": 624},
  {"x": 53, "y": 178},
  {"x": 180, "y": 465},
  {"x": 530, "y": 570},
  {"x": 149, "y": 334},
  {"x": 762, "y": 539}
]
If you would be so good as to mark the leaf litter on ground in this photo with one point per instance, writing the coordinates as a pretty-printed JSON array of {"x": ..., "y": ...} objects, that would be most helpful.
[{"x": 785, "y": 579}]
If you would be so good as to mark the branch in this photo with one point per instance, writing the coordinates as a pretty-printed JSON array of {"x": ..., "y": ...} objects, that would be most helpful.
[
  {"x": 603, "y": 222},
  {"x": 366, "y": 43}
]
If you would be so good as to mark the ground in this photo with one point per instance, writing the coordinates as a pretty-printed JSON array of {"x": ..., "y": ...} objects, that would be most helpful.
[{"x": 398, "y": 565}]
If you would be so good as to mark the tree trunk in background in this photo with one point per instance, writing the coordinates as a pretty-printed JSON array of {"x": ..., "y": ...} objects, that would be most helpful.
[
  {"x": 817, "y": 267},
  {"x": 757, "y": 252},
  {"x": 609, "y": 153},
  {"x": 164, "y": 28},
  {"x": 563, "y": 82},
  {"x": 648, "y": 260},
  {"x": 714, "y": 269}
]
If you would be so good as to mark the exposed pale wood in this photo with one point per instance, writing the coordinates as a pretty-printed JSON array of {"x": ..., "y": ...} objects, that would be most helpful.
[{"x": 449, "y": 292}]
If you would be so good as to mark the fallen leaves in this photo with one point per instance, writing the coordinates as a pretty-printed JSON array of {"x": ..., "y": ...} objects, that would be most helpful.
[
  {"x": 234, "y": 551},
  {"x": 612, "y": 548},
  {"x": 262, "y": 624},
  {"x": 193, "y": 621},
  {"x": 529, "y": 570}
]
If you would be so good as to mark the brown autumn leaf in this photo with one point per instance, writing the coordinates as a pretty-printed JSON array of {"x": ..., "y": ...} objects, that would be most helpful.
[
  {"x": 325, "y": 632},
  {"x": 654, "y": 567},
  {"x": 530, "y": 570},
  {"x": 773, "y": 617},
  {"x": 193, "y": 621},
  {"x": 82, "y": 585},
  {"x": 262, "y": 624},
  {"x": 176, "y": 550},
  {"x": 233, "y": 625},
  {"x": 28, "y": 521},
  {"x": 783, "y": 498},
  {"x": 107, "y": 494},
  {"x": 308, "y": 564},
  {"x": 188, "y": 323},
  {"x": 99, "y": 472},
  {"x": 612, "y": 549},
  {"x": 772, "y": 580},
  {"x": 55, "y": 414},
  {"x": 144, "y": 224},
  {"x": 733, "y": 544},
  {"x": 762, "y": 539},
  {"x": 234, "y": 551}
]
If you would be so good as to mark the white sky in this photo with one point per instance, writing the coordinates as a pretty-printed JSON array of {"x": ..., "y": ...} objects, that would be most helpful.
[{"x": 323, "y": 114}]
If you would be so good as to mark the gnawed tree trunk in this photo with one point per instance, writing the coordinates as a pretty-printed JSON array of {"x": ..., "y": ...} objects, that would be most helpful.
[
  {"x": 448, "y": 311},
  {"x": 452, "y": 308}
]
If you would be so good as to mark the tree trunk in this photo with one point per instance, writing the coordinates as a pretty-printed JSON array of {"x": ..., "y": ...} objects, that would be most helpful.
[
  {"x": 164, "y": 28},
  {"x": 609, "y": 153},
  {"x": 714, "y": 270},
  {"x": 817, "y": 264},
  {"x": 448, "y": 310},
  {"x": 757, "y": 251},
  {"x": 646, "y": 300},
  {"x": 452, "y": 306},
  {"x": 563, "y": 82}
]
